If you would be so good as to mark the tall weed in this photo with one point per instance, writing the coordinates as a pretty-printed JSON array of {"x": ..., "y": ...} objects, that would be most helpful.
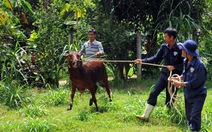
[
  {"x": 11, "y": 93},
  {"x": 56, "y": 97},
  {"x": 34, "y": 110},
  {"x": 36, "y": 125}
]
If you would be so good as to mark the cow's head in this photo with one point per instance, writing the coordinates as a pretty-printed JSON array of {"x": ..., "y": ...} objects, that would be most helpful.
[{"x": 74, "y": 59}]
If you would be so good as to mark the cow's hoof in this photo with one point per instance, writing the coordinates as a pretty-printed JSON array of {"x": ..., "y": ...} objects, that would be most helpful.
[
  {"x": 91, "y": 102},
  {"x": 70, "y": 107}
]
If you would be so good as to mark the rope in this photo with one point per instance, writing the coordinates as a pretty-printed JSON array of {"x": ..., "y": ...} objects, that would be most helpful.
[
  {"x": 91, "y": 56},
  {"x": 129, "y": 61},
  {"x": 173, "y": 97},
  {"x": 121, "y": 61}
]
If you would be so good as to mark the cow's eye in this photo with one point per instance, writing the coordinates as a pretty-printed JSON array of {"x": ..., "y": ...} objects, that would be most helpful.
[
  {"x": 78, "y": 56},
  {"x": 70, "y": 55}
]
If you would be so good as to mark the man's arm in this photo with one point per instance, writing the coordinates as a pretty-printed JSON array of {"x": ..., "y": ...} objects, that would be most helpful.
[
  {"x": 101, "y": 50},
  {"x": 82, "y": 51}
]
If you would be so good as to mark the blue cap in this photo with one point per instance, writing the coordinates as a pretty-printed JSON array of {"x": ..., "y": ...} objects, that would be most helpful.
[{"x": 190, "y": 47}]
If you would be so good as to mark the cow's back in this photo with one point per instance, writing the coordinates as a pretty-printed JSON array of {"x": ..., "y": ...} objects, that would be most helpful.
[{"x": 95, "y": 69}]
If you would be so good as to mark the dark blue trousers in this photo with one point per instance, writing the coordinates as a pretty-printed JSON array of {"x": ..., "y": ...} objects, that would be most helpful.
[
  {"x": 193, "y": 112},
  {"x": 160, "y": 85}
]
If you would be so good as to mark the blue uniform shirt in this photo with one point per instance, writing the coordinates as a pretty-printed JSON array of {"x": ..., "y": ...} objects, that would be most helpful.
[
  {"x": 171, "y": 56},
  {"x": 195, "y": 76}
]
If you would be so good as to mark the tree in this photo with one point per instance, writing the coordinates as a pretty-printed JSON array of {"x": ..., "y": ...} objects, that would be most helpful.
[{"x": 154, "y": 16}]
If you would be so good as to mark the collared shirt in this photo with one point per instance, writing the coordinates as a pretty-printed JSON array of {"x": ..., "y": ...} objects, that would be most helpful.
[
  {"x": 195, "y": 76},
  {"x": 90, "y": 49},
  {"x": 171, "y": 57}
]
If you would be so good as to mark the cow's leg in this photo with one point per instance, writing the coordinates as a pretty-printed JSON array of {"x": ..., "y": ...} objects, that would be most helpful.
[
  {"x": 108, "y": 91},
  {"x": 93, "y": 89},
  {"x": 72, "y": 96},
  {"x": 105, "y": 81},
  {"x": 93, "y": 99}
]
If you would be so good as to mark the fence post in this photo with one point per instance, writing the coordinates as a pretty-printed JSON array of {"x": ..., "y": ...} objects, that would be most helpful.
[{"x": 138, "y": 43}]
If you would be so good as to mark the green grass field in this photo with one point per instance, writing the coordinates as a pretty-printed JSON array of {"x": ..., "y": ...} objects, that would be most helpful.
[{"x": 45, "y": 111}]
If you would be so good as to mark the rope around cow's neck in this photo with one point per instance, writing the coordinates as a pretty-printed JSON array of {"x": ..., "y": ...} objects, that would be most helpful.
[
  {"x": 173, "y": 97},
  {"x": 91, "y": 56}
]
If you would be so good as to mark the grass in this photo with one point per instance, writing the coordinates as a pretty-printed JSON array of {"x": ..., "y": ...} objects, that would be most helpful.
[{"x": 45, "y": 111}]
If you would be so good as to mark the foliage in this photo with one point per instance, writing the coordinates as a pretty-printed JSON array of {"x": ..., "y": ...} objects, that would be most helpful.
[
  {"x": 15, "y": 54},
  {"x": 16, "y": 64},
  {"x": 205, "y": 39},
  {"x": 49, "y": 41},
  {"x": 152, "y": 17},
  {"x": 185, "y": 16},
  {"x": 74, "y": 13},
  {"x": 14, "y": 20},
  {"x": 78, "y": 8},
  {"x": 11, "y": 94},
  {"x": 206, "y": 52},
  {"x": 147, "y": 15}
]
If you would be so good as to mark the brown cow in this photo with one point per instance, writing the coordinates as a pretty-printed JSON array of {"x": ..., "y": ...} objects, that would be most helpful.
[{"x": 85, "y": 75}]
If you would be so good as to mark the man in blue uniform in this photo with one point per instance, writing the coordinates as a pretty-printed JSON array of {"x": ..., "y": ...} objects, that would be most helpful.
[
  {"x": 170, "y": 52},
  {"x": 194, "y": 77}
]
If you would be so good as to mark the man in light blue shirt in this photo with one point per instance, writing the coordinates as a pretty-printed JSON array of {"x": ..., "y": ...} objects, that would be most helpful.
[{"x": 92, "y": 48}]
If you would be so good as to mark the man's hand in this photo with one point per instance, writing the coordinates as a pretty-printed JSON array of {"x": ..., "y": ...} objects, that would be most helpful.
[
  {"x": 98, "y": 53},
  {"x": 80, "y": 54},
  {"x": 174, "y": 79},
  {"x": 138, "y": 61},
  {"x": 170, "y": 68},
  {"x": 177, "y": 83}
]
